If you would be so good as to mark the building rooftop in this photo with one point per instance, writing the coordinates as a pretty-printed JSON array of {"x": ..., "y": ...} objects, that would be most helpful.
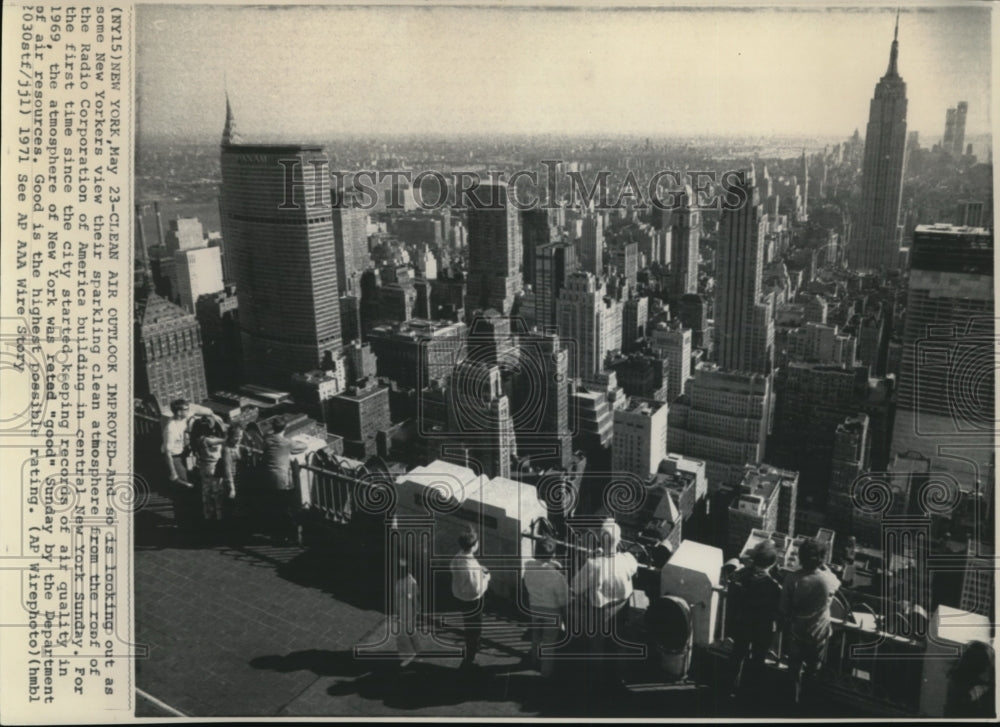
[
  {"x": 645, "y": 407},
  {"x": 761, "y": 479}
]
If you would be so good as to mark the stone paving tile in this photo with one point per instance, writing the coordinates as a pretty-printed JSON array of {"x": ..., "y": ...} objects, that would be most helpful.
[
  {"x": 213, "y": 617},
  {"x": 259, "y": 630}
]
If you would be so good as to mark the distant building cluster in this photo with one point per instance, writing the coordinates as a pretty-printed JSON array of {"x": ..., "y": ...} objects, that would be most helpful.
[{"x": 772, "y": 371}]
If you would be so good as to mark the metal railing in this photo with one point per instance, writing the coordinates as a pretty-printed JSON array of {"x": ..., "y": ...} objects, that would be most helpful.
[
  {"x": 863, "y": 662},
  {"x": 332, "y": 495}
]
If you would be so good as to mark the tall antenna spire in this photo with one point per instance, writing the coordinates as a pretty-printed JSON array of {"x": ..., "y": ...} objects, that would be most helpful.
[
  {"x": 894, "y": 52},
  {"x": 229, "y": 133}
]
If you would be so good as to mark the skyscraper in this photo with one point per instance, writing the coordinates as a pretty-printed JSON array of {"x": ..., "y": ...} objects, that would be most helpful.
[
  {"x": 640, "y": 437},
  {"x": 495, "y": 252},
  {"x": 672, "y": 342},
  {"x": 948, "y": 141},
  {"x": 960, "y": 113},
  {"x": 541, "y": 400},
  {"x": 283, "y": 254},
  {"x": 350, "y": 235},
  {"x": 954, "y": 129},
  {"x": 876, "y": 239},
  {"x": 553, "y": 264},
  {"x": 358, "y": 415},
  {"x": 196, "y": 272},
  {"x": 945, "y": 390},
  {"x": 591, "y": 255},
  {"x": 685, "y": 232},
  {"x": 744, "y": 325},
  {"x": 169, "y": 363},
  {"x": 586, "y": 315},
  {"x": 536, "y": 231},
  {"x": 723, "y": 420},
  {"x": 479, "y": 418},
  {"x": 850, "y": 460}
]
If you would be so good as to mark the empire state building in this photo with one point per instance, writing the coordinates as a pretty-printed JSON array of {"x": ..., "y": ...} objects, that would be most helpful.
[{"x": 878, "y": 234}]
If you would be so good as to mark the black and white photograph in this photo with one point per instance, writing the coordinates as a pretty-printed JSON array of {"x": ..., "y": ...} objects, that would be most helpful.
[{"x": 547, "y": 361}]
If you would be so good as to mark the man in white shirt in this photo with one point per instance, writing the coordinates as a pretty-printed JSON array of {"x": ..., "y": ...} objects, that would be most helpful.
[
  {"x": 175, "y": 438},
  {"x": 548, "y": 594},
  {"x": 176, "y": 448},
  {"x": 469, "y": 581}
]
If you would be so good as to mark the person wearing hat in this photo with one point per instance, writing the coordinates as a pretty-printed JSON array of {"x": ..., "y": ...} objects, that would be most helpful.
[
  {"x": 548, "y": 592},
  {"x": 753, "y": 598}
]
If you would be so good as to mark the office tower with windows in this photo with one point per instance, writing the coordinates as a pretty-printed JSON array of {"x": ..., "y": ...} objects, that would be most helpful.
[
  {"x": 358, "y": 415},
  {"x": 685, "y": 233},
  {"x": 640, "y": 437},
  {"x": 169, "y": 362},
  {"x": 946, "y": 388},
  {"x": 592, "y": 319},
  {"x": 350, "y": 236},
  {"x": 479, "y": 420},
  {"x": 554, "y": 262},
  {"x": 540, "y": 400},
  {"x": 495, "y": 252},
  {"x": 849, "y": 462},
  {"x": 591, "y": 257},
  {"x": 744, "y": 323},
  {"x": 673, "y": 342},
  {"x": 196, "y": 272},
  {"x": 723, "y": 419},
  {"x": 536, "y": 231},
  {"x": 283, "y": 254}
]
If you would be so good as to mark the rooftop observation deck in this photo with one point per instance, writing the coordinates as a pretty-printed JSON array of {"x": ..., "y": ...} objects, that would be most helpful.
[{"x": 243, "y": 627}]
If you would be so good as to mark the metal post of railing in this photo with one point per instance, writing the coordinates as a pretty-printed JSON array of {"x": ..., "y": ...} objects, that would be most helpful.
[{"x": 723, "y": 605}]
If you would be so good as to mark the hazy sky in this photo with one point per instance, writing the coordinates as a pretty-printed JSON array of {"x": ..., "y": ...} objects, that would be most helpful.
[{"x": 317, "y": 71}]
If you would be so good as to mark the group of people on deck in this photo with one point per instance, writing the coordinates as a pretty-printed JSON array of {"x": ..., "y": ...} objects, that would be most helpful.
[
  {"x": 602, "y": 586},
  {"x": 202, "y": 454}
]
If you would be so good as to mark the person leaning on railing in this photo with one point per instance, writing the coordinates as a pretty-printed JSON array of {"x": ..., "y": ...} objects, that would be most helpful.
[
  {"x": 805, "y": 606},
  {"x": 548, "y": 593},
  {"x": 230, "y": 457},
  {"x": 753, "y": 602},
  {"x": 603, "y": 587},
  {"x": 276, "y": 463}
]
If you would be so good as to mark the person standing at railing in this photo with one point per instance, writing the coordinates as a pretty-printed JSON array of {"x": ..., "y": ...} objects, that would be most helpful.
[
  {"x": 469, "y": 581},
  {"x": 752, "y": 600},
  {"x": 277, "y": 466},
  {"x": 406, "y": 614},
  {"x": 601, "y": 589},
  {"x": 805, "y": 606},
  {"x": 548, "y": 593},
  {"x": 207, "y": 441},
  {"x": 176, "y": 450},
  {"x": 228, "y": 464}
]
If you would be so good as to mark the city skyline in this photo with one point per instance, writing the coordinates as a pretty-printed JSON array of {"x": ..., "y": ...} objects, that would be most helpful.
[{"x": 567, "y": 71}]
